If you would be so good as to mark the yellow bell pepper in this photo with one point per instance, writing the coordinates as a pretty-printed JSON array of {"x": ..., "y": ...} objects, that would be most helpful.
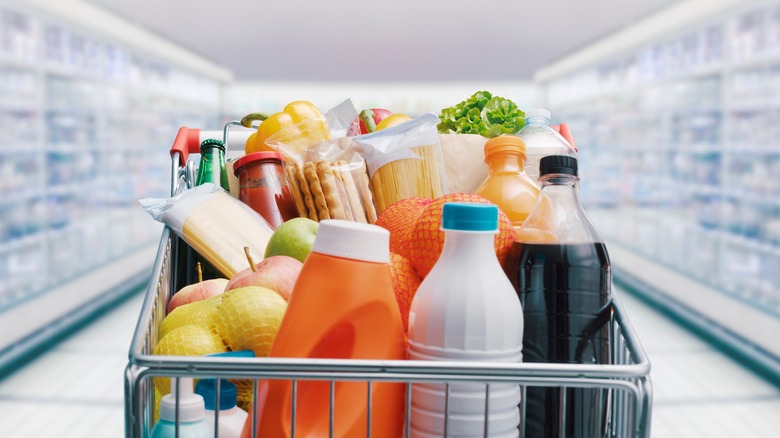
[{"x": 300, "y": 124}]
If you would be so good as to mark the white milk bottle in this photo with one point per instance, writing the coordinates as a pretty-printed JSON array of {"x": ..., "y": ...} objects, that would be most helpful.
[
  {"x": 466, "y": 310},
  {"x": 541, "y": 140}
]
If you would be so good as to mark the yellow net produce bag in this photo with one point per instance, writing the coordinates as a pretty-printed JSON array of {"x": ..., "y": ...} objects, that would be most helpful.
[{"x": 214, "y": 224}]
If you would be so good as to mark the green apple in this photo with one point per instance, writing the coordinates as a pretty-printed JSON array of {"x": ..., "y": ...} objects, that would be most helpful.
[{"x": 293, "y": 238}]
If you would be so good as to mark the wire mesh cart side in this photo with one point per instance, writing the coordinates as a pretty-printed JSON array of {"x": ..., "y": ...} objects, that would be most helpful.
[{"x": 625, "y": 384}]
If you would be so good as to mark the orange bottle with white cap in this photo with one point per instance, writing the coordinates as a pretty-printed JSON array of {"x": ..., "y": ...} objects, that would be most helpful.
[
  {"x": 342, "y": 306},
  {"x": 507, "y": 185}
]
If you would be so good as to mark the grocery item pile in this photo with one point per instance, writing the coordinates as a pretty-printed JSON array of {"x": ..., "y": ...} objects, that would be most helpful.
[{"x": 410, "y": 238}]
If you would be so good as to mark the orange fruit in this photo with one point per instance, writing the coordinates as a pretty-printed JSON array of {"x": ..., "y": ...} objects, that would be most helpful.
[
  {"x": 405, "y": 284},
  {"x": 427, "y": 239},
  {"x": 399, "y": 218}
]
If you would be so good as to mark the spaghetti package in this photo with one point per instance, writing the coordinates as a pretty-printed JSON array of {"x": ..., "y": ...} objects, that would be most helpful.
[
  {"x": 404, "y": 161},
  {"x": 329, "y": 181},
  {"x": 215, "y": 224}
]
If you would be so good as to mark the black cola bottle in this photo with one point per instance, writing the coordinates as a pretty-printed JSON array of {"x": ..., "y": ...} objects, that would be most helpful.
[{"x": 563, "y": 279}]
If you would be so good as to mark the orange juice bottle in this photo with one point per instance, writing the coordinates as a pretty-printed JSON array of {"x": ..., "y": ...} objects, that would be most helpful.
[
  {"x": 507, "y": 185},
  {"x": 342, "y": 306}
]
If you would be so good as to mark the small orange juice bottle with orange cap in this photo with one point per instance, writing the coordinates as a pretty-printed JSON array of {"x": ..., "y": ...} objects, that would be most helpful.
[
  {"x": 507, "y": 185},
  {"x": 342, "y": 307}
]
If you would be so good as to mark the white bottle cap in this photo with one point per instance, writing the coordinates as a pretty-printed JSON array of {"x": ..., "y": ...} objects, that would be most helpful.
[
  {"x": 191, "y": 405},
  {"x": 538, "y": 112},
  {"x": 353, "y": 240}
]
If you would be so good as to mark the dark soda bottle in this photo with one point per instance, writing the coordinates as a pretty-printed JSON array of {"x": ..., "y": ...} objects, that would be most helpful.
[{"x": 563, "y": 279}]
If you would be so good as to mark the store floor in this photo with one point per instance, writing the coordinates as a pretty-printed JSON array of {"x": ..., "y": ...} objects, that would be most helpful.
[{"x": 76, "y": 389}]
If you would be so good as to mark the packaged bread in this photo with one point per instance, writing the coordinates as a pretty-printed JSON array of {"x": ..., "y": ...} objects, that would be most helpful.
[
  {"x": 329, "y": 181},
  {"x": 404, "y": 161},
  {"x": 215, "y": 224}
]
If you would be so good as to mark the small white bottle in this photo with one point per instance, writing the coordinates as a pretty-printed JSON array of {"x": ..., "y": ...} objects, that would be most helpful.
[
  {"x": 466, "y": 310},
  {"x": 191, "y": 417},
  {"x": 231, "y": 417},
  {"x": 541, "y": 140}
]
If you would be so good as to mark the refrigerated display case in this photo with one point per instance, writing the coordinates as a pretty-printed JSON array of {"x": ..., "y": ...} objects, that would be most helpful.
[
  {"x": 84, "y": 121},
  {"x": 678, "y": 137}
]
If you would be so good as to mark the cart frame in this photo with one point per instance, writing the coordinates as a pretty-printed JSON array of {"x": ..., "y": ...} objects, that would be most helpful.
[{"x": 627, "y": 381}]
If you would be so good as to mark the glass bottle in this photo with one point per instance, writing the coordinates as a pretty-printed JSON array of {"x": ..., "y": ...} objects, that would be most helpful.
[
  {"x": 212, "y": 164},
  {"x": 507, "y": 185},
  {"x": 211, "y": 170},
  {"x": 563, "y": 278}
]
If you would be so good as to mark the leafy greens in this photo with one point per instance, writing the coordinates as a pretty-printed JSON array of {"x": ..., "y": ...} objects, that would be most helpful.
[{"x": 483, "y": 114}]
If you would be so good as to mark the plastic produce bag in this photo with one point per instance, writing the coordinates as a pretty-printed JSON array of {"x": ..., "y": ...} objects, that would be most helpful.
[
  {"x": 404, "y": 161},
  {"x": 214, "y": 224}
]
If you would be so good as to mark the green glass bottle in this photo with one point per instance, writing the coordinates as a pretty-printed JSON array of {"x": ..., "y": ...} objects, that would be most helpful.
[
  {"x": 212, "y": 164},
  {"x": 211, "y": 170}
]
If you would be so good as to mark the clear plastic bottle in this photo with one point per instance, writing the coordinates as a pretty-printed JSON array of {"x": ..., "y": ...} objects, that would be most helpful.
[
  {"x": 230, "y": 418},
  {"x": 564, "y": 283},
  {"x": 541, "y": 140},
  {"x": 191, "y": 417},
  {"x": 507, "y": 185},
  {"x": 466, "y": 310}
]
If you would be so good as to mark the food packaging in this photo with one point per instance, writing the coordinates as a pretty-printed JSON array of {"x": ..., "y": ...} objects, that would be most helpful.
[
  {"x": 404, "y": 161},
  {"x": 329, "y": 181},
  {"x": 215, "y": 224},
  {"x": 464, "y": 161}
]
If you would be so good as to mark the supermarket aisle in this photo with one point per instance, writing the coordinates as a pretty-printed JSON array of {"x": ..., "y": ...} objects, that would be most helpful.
[
  {"x": 699, "y": 391},
  {"x": 75, "y": 391}
]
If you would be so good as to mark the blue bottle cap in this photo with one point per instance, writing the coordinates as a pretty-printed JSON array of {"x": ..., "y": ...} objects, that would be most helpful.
[
  {"x": 207, "y": 388},
  {"x": 468, "y": 216}
]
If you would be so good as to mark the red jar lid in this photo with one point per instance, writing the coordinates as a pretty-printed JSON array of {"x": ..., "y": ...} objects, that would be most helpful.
[{"x": 255, "y": 157}]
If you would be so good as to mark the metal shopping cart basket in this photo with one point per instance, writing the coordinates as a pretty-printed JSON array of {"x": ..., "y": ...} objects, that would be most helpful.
[{"x": 626, "y": 381}]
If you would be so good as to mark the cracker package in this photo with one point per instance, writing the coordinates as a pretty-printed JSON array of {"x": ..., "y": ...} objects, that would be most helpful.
[
  {"x": 329, "y": 181},
  {"x": 215, "y": 224}
]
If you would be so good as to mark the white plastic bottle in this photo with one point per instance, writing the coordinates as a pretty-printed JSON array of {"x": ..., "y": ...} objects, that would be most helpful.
[
  {"x": 192, "y": 413},
  {"x": 541, "y": 140},
  {"x": 231, "y": 418},
  {"x": 466, "y": 310}
]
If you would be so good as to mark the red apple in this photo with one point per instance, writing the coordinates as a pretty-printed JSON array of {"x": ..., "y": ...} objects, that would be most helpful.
[
  {"x": 358, "y": 125},
  {"x": 197, "y": 292},
  {"x": 277, "y": 273}
]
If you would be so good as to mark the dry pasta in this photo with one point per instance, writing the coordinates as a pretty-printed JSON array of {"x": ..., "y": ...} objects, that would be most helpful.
[
  {"x": 218, "y": 229},
  {"x": 214, "y": 224},
  {"x": 407, "y": 178}
]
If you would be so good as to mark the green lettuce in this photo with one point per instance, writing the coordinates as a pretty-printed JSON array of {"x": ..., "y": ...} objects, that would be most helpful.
[{"x": 483, "y": 114}]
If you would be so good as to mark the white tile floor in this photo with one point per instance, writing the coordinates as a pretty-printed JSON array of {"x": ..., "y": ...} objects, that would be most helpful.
[{"x": 76, "y": 390}]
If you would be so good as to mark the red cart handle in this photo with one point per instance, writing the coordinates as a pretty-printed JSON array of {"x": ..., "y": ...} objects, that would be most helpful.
[{"x": 187, "y": 142}]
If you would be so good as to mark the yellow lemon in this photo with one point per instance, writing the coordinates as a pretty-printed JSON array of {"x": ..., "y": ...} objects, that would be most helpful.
[
  {"x": 200, "y": 313},
  {"x": 188, "y": 340},
  {"x": 392, "y": 120},
  {"x": 249, "y": 318}
]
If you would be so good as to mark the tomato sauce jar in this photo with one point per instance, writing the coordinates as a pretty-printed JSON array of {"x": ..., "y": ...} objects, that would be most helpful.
[{"x": 263, "y": 186}]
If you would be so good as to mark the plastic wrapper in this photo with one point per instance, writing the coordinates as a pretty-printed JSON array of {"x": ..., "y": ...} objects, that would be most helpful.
[
  {"x": 404, "y": 161},
  {"x": 329, "y": 181},
  {"x": 214, "y": 224},
  {"x": 464, "y": 161}
]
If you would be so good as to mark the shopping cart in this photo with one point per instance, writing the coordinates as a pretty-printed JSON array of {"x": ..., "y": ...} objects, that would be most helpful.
[{"x": 626, "y": 381}]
